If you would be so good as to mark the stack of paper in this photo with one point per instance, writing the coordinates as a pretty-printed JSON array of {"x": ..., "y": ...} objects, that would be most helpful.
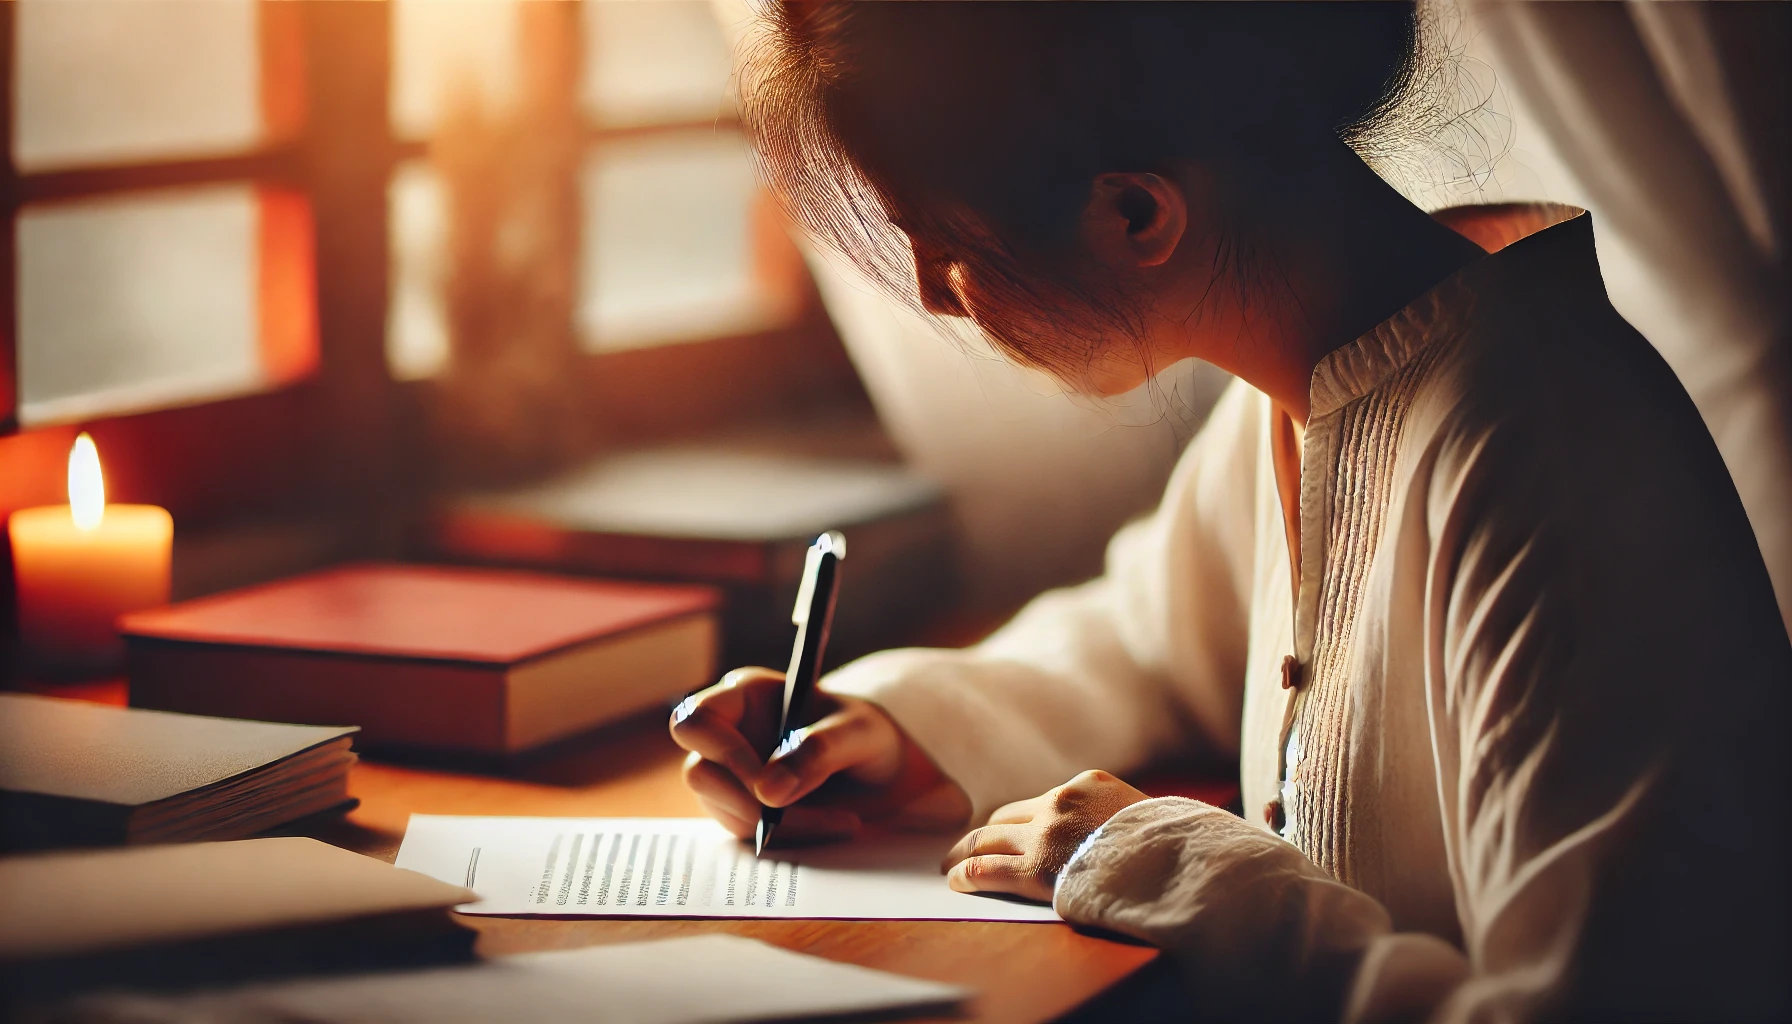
[
  {"x": 706, "y": 979},
  {"x": 196, "y": 912},
  {"x": 78, "y": 773}
]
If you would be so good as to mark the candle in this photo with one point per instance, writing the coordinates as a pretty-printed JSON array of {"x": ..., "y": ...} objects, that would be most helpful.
[{"x": 78, "y": 567}]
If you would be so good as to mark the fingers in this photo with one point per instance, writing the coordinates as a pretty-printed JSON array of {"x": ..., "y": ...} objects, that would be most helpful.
[
  {"x": 712, "y": 722},
  {"x": 1003, "y": 873},
  {"x": 852, "y": 739},
  {"x": 726, "y": 800},
  {"x": 1028, "y": 842},
  {"x": 721, "y": 794},
  {"x": 990, "y": 839},
  {"x": 998, "y": 858}
]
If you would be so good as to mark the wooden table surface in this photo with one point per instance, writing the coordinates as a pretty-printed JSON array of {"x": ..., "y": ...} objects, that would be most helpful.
[{"x": 1021, "y": 971}]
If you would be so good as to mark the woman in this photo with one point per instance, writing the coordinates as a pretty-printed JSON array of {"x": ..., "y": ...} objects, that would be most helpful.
[{"x": 1454, "y": 569}]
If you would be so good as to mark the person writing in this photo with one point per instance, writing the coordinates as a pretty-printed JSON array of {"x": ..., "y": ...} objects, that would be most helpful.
[{"x": 1454, "y": 570}]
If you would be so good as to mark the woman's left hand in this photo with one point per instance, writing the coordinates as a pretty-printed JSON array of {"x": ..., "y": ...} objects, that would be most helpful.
[{"x": 1028, "y": 842}]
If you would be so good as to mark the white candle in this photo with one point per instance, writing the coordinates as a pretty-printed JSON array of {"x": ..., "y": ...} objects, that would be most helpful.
[{"x": 78, "y": 567}]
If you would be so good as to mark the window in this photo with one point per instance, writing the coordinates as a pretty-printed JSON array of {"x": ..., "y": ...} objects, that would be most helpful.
[
  {"x": 417, "y": 316},
  {"x": 120, "y": 81},
  {"x": 653, "y": 63},
  {"x": 673, "y": 239},
  {"x": 445, "y": 53},
  {"x": 669, "y": 250},
  {"x": 291, "y": 259},
  {"x": 161, "y": 253}
]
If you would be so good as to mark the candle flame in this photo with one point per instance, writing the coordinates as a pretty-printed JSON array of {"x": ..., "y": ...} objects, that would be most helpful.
[{"x": 86, "y": 485}]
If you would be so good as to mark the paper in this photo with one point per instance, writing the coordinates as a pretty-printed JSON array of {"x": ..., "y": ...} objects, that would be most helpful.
[
  {"x": 130, "y": 756},
  {"x": 687, "y": 867},
  {"x": 66, "y": 904},
  {"x": 705, "y": 979}
]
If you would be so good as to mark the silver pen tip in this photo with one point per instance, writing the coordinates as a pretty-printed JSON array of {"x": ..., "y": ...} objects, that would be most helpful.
[{"x": 760, "y": 835}]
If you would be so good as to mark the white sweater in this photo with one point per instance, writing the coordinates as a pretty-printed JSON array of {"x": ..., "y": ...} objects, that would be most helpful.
[{"x": 1533, "y": 762}]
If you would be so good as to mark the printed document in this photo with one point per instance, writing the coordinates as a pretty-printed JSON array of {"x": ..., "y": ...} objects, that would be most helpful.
[{"x": 687, "y": 867}]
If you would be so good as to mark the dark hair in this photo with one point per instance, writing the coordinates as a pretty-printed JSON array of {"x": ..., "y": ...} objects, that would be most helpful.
[{"x": 978, "y": 126}]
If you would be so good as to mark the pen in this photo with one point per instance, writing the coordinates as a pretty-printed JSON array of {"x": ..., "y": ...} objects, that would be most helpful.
[{"x": 813, "y": 617}]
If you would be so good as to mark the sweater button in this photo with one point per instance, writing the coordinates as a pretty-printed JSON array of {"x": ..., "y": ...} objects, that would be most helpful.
[
  {"x": 1290, "y": 672},
  {"x": 1273, "y": 816}
]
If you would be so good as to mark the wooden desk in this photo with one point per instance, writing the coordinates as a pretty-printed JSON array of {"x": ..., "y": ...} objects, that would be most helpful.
[{"x": 1022, "y": 972}]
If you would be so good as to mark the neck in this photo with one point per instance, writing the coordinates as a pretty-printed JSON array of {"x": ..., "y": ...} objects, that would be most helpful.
[{"x": 1347, "y": 252}]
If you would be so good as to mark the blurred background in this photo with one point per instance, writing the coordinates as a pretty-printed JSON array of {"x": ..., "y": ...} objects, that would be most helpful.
[{"x": 308, "y": 270}]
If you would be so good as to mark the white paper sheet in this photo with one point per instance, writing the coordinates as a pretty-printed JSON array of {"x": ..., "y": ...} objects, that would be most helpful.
[
  {"x": 687, "y": 867},
  {"x": 706, "y": 979}
]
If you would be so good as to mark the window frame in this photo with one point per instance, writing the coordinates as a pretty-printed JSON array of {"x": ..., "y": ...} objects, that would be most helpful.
[
  {"x": 277, "y": 162},
  {"x": 341, "y": 444},
  {"x": 175, "y": 456},
  {"x": 695, "y": 387}
]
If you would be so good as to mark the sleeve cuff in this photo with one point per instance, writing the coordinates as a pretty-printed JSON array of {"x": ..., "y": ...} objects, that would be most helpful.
[
  {"x": 1254, "y": 925},
  {"x": 1080, "y": 894}
]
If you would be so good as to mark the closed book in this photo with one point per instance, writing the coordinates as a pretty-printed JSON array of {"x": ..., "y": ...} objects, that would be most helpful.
[
  {"x": 470, "y": 660},
  {"x": 737, "y": 519},
  {"x": 196, "y": 913},
  {"x": 75, "y": 773}
]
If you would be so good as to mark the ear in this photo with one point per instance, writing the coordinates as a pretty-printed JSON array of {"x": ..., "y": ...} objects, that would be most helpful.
[{"x": 1135, "y": 220}]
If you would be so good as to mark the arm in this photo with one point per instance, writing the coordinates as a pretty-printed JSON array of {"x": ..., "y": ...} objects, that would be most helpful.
[
  {"x": 1109, "y": 673},
  {"x": 1579, "y": 760}
]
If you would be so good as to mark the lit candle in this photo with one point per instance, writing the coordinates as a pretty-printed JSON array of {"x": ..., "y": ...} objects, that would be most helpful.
[{"x": 79, "y": 566}]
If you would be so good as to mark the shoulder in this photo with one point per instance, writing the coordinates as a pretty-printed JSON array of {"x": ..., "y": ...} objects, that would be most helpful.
[
  {"x": 1534, "y": 378},
  {"x": 1549, "y": 434}
]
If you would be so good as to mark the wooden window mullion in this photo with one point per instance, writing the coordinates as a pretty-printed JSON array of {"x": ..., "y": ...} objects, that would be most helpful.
[{"x": 349, "y": 158}]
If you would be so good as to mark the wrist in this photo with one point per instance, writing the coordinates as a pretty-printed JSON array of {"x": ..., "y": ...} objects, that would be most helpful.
[{"x": 1076, "y": 855}]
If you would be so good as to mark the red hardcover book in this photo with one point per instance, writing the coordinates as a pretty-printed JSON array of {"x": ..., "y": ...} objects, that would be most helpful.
[{"x": 476, "y": 660}]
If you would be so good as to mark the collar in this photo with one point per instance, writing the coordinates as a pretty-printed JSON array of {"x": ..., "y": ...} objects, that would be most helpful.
[{"x": 1527, "y": 244}]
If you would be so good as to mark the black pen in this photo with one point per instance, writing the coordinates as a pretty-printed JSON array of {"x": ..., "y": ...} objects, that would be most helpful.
[{"x": 813, "y": 616}]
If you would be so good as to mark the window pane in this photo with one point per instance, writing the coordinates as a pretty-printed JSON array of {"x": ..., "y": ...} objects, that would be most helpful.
[
  {"x": 647, "y": 62},
  {"x": 159, "y": 299},
  {"x": 447, "y": 53},
  {"x": 417, "y": 315},
  {"x": 668, "y": 247},
  {"x": 116, "y": 80}
]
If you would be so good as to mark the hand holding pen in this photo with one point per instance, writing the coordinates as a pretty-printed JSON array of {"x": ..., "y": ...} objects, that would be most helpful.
[
  {"x": 877, "y": 772},
  {"x": 813, "y": 618}
]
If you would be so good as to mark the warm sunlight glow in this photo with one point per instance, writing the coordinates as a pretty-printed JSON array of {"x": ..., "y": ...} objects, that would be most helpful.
[{"x": 86, "y": 487}]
